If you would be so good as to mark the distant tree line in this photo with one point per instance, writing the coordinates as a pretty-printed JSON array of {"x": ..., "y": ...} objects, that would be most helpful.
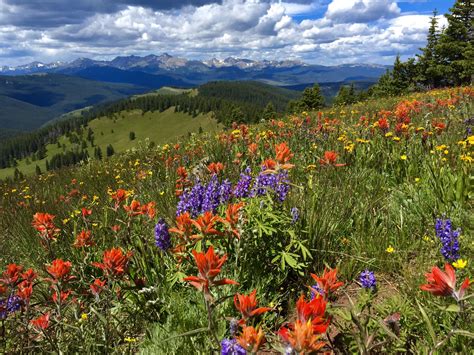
[{"x": 446, "y": 60}]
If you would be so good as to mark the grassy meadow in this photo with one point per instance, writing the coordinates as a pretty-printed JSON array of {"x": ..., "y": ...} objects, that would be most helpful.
[
  {"x": 158, "y": 127},
  {"x": 159, "y": 250}
]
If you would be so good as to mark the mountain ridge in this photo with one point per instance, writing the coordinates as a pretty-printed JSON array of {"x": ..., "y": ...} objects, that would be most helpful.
[{"x": 165, "y": 62}]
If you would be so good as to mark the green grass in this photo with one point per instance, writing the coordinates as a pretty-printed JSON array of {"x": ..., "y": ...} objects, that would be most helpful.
[
  {"x": 166, "y": 90},
  {"x": 374, "y": 211},
  {"x": 156, "y": 127}
]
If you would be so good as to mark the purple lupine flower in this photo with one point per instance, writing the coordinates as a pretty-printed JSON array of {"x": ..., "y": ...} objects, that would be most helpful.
[
  {"x": 316, "y": 290},
  {"x": 295, "y": 214},
  {"x": 162, "y": 235},
  {"x": 191, "y": 200},
  {"x": 367, "y": 279},
  {"x": 264, "y": 183},
  {"x": 9, "y": 305},
  {"x": 231, "y": 347},
  {"x": 283, "y": 185},
  {"x": 225, "y": 191},
  {"x": 449, "y": 238},
  {"x": 210, "y": 200},
  {"x": 242, "y": 189}
]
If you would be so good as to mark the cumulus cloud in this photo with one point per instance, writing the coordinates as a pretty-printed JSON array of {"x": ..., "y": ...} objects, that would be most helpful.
[
  {"x": 347, "y": 11},
  {"x": 343, "y": 31}
]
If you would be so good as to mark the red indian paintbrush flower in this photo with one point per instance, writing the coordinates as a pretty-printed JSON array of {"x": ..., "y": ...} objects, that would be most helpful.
[
  {"x": 84, "y": 239},
  {"x": 42, "y": 322},
  {"x": 247, "y": 305},
  {"x": 330, "y": 158},
  {"x": 215, "y": 168},
  {"x": 97, "y": 286},
  {"x": 119, "y": 196},
  {"x": 184, "y": 225},
  {"x": 232, "y": 216},
  {"x": 114, "y": 262},
  {"x": 11, "y": 275},
  {"x": 63, "y": 296},
  {"x": 209, "y": 266},
  {"x": 444, "y": 283},
  {"x": 383, "y": 124},
  {"x": 251, "y": 339},
  {"x": 283, "y": 156},
  {"x": 328, "y": 281},
  {"x": 314, "y": 311},
  {"x": 85, "y": 212},
  {"x": 206, "y": 224},
  {"x": 302, "y": 338},
  {"x": 134, "y": 209},
  {"x": 25, "y": 290},
  {"x": 43, "y": 223},
  {"x": 60, "y": 270}
]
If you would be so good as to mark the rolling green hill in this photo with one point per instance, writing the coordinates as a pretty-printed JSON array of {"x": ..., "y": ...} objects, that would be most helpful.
[
  {"x": 29, "y": 101},
  {"x": 157, "y": 127},
  {"x": 173, "y": 112}
]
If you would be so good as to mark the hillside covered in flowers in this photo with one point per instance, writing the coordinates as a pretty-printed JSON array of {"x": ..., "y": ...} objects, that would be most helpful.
[{"x": 348, "y": 230}]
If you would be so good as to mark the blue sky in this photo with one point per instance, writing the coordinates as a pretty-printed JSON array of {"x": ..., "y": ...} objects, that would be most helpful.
[{"x": 316, "y": 31}]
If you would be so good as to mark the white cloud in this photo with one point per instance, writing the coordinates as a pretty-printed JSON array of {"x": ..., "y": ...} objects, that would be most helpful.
[
  {"x": 350, "y": 31},
  {"x": 347, "y": 11}
]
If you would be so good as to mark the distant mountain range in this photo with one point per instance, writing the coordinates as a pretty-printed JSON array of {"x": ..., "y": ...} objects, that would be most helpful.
[
  {"x": 184, "y": 72},
  {"x": 33, "y": 94}
]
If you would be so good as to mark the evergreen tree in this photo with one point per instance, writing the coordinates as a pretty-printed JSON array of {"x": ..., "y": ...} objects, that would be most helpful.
[
  {"x": 456, "y": 44},
  {"x": 38, "y": 170},
  {"x": 430, "y": 73},
  {"x": 110, "y": 150},
  {"x": 312, "y": 99},
  {"x": 131, "y": 136},
  {"x": 269, "y": 112}
]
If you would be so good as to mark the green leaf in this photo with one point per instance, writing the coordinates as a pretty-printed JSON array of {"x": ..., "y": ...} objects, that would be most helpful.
[
  {"x": 453, "y": 308},
  {"x": 428, "y": 323},
  {"x": 464, "y": 333}
]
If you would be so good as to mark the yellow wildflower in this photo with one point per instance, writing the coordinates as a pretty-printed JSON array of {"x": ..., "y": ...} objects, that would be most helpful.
[
  {"x": 390, "y": 249},
  {"x": 460, "y": 264},
  {"x": 403, "y": 157}
]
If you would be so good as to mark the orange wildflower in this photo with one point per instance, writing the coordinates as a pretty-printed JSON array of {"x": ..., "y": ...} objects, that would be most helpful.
[
  {"x": 114, "y": 262},
  {"x": 232, "y": 216},
  {"x": 184, "y": 225},
  {"x": 60, "y": 270},
  {"x": 206, "y": 224},
  {"x": 43, "y": 223},
  {"x": 42, "y": 322},
  {"x": 84, "y": 239},
  {"x": 444, "y": 283},
  {"x": 328, "y": 281},
  {"x": 209, "y": 266},
  {"x": 330, "y": 158},
  {"x": 247, "y": 305},
  {"x": 215, "y": 168},
  {"x": 302, "y": 338},
  {"x": 251, "y": 339},
  {"x": 97, "y": 286},
  {"x": 11, "y": 275}
]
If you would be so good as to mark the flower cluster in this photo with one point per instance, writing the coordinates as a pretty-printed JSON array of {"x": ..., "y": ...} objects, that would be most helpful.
[
  {"x": 449, "y": 239},
  {"x": 367, "y": 279},
  {"x": 162, "y": 235}
]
